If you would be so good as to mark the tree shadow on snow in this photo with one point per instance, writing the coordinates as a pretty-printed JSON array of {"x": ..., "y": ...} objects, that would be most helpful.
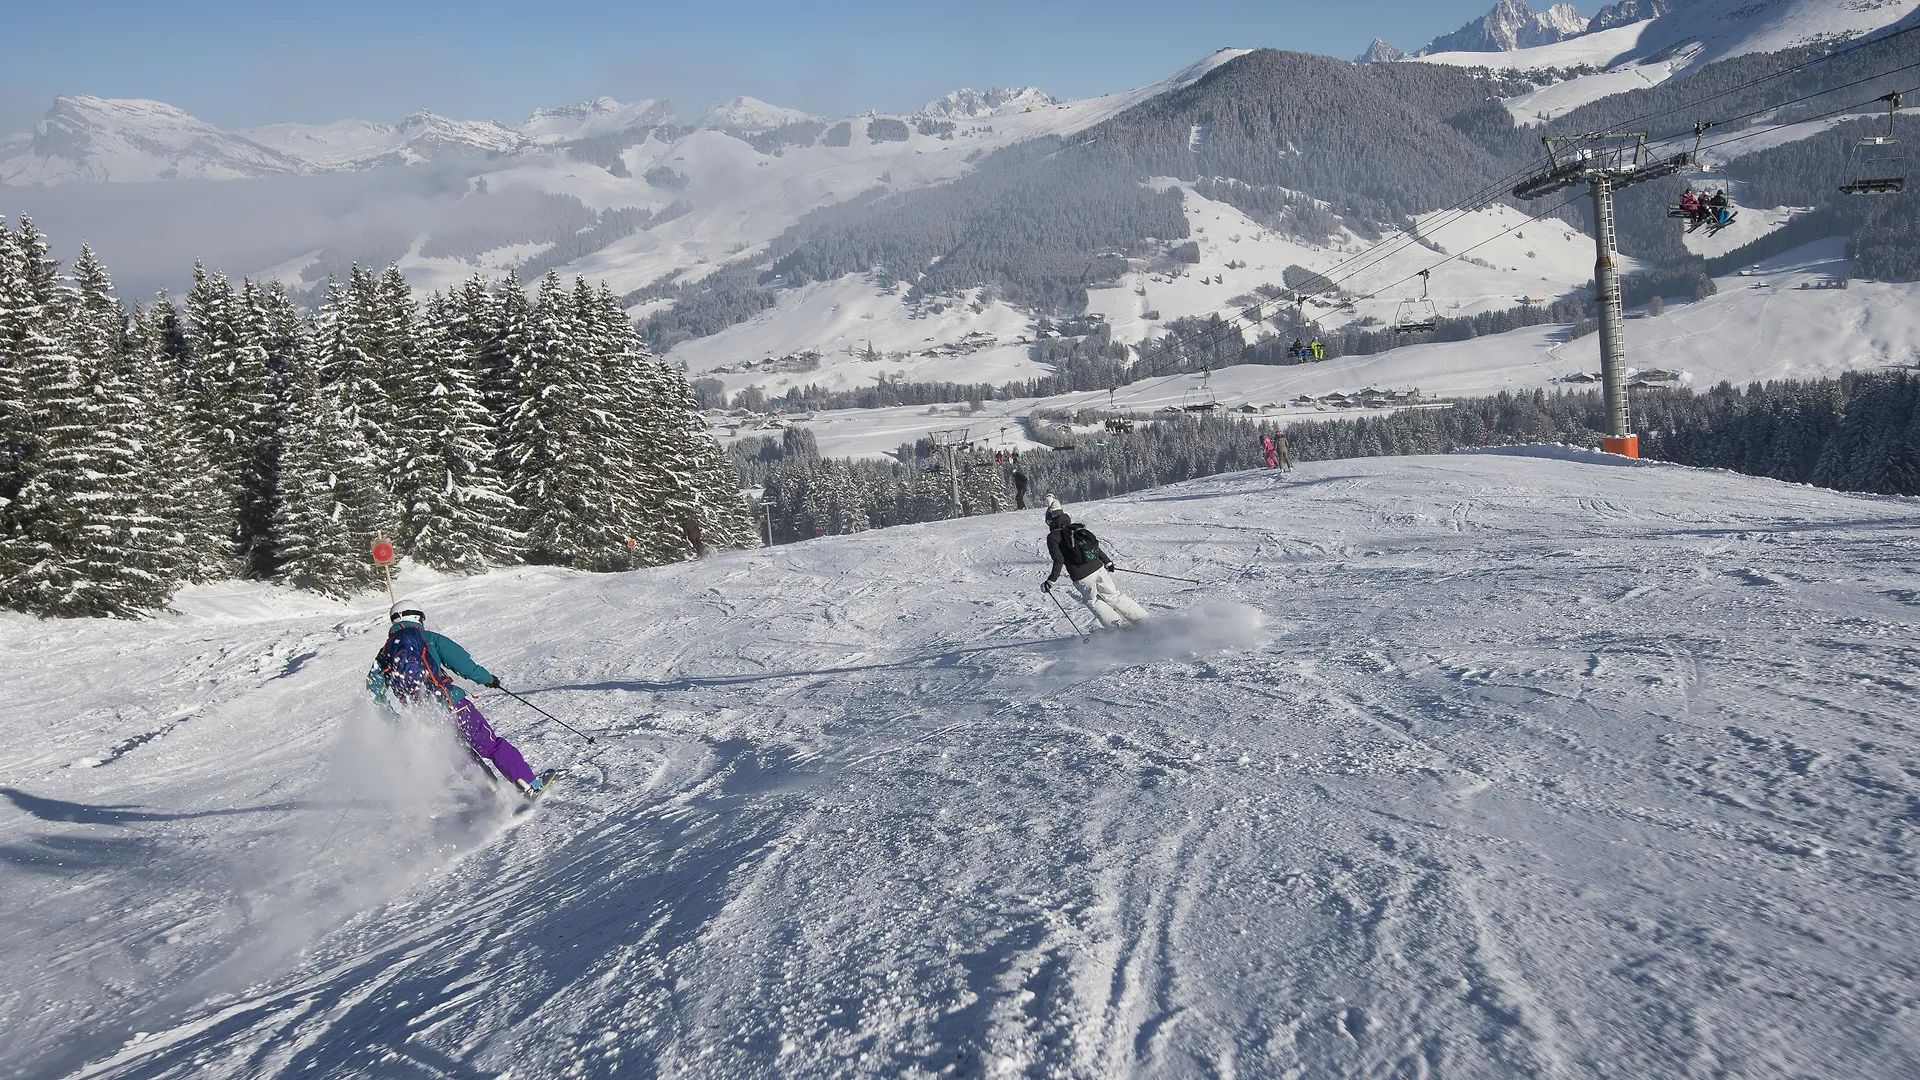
[{"x": 129, "y": 813}]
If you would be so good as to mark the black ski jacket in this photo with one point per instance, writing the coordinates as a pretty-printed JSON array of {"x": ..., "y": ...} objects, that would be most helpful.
[{"x": 1076, "y": 571}]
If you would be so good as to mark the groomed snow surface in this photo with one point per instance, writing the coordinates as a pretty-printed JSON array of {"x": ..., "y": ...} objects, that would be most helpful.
[{"x": 1507, "y": 764}]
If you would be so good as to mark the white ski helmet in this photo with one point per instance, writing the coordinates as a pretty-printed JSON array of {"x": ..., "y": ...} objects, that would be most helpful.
[{"x": 406, "y": 609}]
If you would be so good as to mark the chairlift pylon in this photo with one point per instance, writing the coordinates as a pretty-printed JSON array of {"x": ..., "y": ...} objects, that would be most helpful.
[
  {"x": 1417, "y": 316},
  {"x": 1876, "y": 164}
]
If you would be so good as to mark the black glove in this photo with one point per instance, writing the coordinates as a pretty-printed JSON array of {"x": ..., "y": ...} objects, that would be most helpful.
[
  {"x": 1046, "y": 586},
  {"x": 493, "y": 683}
]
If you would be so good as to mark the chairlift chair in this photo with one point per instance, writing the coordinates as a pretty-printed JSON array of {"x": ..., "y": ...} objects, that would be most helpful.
[
  {"x": 1200, "y": 397},
  {"x": 1417, "y": 316},
  {"x": 1876, "y": 165},
  {"x": 1704, "y": 177}
]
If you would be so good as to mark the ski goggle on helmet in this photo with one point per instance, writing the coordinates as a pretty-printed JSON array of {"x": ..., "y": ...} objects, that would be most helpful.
[{"x": 407, "y": 611}]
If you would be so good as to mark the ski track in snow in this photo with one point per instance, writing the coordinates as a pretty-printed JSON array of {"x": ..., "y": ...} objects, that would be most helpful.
[{"x": 1500, "y": 764}]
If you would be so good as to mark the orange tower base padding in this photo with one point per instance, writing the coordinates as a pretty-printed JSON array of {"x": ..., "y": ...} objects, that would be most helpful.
[{"x": 1625, "y": 446}]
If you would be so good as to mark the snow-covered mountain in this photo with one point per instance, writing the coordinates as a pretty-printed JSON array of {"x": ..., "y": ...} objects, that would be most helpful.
[
  {"x": 593, "y": 119},
  {"x": 1685, "y": 34},
  {"x": 1511, "y": 25},
  {"x": 1640, "y": 43},
  {"x": 1627, "y": 12},
  {"x": 91, "y": 139},
  {"x": 358, "y": 144},
  {"x": 969, "y": 104},
  {"x": 748, "y": 114}
]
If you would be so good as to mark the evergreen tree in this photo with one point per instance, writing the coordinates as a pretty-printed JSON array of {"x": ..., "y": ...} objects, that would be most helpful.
[
  {"x": 332, "y": 503},
  {"x": 231, "y": 405},
  {"x": 187, "y": 520},
  {"x": 75, "y": 517},
  {"x": 456, "y": 513}
]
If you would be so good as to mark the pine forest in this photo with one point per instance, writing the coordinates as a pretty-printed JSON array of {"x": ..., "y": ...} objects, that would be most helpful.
[{"x": 233, "y": 436}]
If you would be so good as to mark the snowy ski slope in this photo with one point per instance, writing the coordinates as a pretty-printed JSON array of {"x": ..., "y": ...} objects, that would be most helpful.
[{"x": 1521, "y": 764}]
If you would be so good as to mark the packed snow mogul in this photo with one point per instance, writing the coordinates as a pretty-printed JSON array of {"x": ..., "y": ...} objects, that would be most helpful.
[
  {"x": 416, "y": 666},
  {"x": 1074, "y": 548}
]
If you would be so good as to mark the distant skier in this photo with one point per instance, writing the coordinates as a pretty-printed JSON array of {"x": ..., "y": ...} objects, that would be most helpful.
[
  {"x": 1319, "y": 350},
  {"x": 1075, "y": 549},
  {"x": 1282, "y": 452},
  {"x": 1690, "y": 208},
  {"x": 1299, "y": 349},
  {"x": 412, "y": 668},
  {"x": 1019, "y": 488},
  {"x": 1266, "y": 445}
]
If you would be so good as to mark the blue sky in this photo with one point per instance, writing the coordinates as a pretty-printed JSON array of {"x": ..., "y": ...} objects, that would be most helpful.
[{"x": 237, "y": 65}]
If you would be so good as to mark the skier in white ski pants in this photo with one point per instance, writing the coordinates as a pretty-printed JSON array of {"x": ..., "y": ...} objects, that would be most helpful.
[
  {"x": 1112, "y": 607},
  {"x": 1075, "y": 550}
]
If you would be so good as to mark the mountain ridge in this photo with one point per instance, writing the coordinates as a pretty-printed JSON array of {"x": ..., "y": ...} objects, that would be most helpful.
[{"x": 1511, "y": 25}]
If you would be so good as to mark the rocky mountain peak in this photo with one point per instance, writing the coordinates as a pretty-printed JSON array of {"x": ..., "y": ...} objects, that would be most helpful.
[
  {"x": 1380, "y": 52},
  {"x": 1511, "y": 25}
]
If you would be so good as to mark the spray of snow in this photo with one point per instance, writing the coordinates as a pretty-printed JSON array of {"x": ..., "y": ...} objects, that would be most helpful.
[
  {"x": 404, "y": 802},
  {"x": 1209, "y": 627}
]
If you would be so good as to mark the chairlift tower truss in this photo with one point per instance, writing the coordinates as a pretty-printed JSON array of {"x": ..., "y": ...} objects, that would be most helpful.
[
  {"x": 948, "y": 444},
  {"x": 1605, "y": 161}
]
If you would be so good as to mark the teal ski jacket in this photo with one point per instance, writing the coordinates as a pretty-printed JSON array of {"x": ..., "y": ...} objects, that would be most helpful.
[{"x": 445, "y": 653}]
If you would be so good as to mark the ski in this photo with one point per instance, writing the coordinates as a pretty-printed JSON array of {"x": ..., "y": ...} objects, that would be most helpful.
[{"x": 547, "y": 780}]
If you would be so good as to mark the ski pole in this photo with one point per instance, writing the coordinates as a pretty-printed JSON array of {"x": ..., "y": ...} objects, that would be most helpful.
[
  {"x": 1069, "y": 618},
  {"x": 1149, "y": 573},
  {"x": 545, "y": 713}
]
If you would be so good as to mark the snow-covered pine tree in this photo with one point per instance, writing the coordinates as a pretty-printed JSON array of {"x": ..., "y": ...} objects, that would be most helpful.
[
  {"x": 27, "y": 328},
  {"x": 26, "y": 337},
  {"x": 456, "y": 514},
  {"x": 690, "y": 492},
  {"x": 509, "y": 327},
  {"x": 983, "y": 488},
  {"x": 631, "y": 483},
  {"x": 19, "y": 319},
  {"x": 552, "y": 464},
  {"x": 265, "y": 328},
  {"x": 230, "y": 402},
  {"x": 332, "y": 504},
  {"x": 394, "y": 347},
  {"x": 177, "y": 463},
  {"x": 356, "y": 338},
  {"x": 75, "y": 514}
]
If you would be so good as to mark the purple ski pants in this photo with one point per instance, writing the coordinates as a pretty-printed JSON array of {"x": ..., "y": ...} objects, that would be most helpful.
[{"x": 480, "y": 737}]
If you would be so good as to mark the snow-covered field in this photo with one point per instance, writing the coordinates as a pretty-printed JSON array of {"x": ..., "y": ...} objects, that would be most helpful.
[
  {"x": 1759, "y": 326},
  {"x": 1511, "y": 259},
  {"x": 1519, "y": 764}
]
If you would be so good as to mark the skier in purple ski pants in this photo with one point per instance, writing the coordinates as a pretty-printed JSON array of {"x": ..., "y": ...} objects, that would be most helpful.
[{"x": 413, "y": 666}]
